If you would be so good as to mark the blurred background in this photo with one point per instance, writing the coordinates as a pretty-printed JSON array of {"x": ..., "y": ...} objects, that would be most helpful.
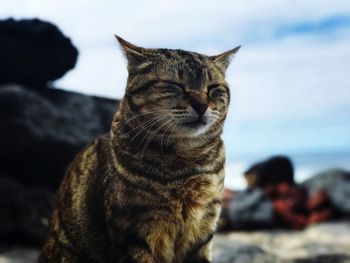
[{"x": 290, "y": 85}]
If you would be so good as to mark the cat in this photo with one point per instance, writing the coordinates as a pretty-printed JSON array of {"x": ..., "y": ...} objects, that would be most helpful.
[{"x": 151, "y": 189}]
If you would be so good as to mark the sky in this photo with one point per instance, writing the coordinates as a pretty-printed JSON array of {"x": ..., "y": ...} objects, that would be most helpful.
[{"x": 290, "y": 82}]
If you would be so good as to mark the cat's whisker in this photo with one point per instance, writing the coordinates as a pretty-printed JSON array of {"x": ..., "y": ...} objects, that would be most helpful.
[
  {"x": 217, "y": 125},
  {"x": 149, "y": 127},
  {"x": 152, "y": 136},
  {"x": 161, "y": 141},
  {"x": 175, "y": 124},
  {"x": 121, "y": 124},
  {"x": 145, "y": 125},
  {"x": 140, "y": 114},
  {"x": 140, "y": 125},
  {"x": 126, "y": 121}
]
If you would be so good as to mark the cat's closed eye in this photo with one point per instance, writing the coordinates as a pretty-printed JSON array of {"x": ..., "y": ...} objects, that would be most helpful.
[
  {"x": 215, "y": 91},
  {"x": 169, "y": 87}
]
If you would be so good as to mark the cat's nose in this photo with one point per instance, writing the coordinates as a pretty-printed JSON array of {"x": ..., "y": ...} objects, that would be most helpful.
[
  {"x": 199, "y": 103},
  {"x": 200, "y": 108}
]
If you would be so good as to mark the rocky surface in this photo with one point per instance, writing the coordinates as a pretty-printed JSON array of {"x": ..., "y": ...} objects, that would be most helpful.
[
  {"x": 324, "y": 243},
  {"x": 42, "y": 130},
  {"x": 34, "y": 52}
]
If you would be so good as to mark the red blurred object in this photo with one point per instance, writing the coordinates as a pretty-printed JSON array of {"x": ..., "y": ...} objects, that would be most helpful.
[
  {"x": 320, "y": 216},
  {"x": 289, "y": 204},
  {"x": 294, "y": 209}
]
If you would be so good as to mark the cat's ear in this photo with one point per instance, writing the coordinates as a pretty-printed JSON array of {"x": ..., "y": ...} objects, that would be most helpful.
[
  {"x": 223, "y": 60},
  {"x": 134, "y": 54}
]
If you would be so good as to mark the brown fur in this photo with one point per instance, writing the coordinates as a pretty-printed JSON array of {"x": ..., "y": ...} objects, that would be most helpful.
[{"x": 151, "y": 189}]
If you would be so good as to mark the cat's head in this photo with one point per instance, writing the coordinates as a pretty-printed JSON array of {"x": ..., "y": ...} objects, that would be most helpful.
[{"x": 174, "y": 92}]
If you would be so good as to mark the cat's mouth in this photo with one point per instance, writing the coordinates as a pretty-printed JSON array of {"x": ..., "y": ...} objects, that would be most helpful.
[{"x": 196, "y": 124}]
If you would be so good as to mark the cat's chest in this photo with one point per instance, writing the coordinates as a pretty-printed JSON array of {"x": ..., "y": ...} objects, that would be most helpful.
[
  {"x": 196, "y": 208},
  {"x": 190, "y": 198}
]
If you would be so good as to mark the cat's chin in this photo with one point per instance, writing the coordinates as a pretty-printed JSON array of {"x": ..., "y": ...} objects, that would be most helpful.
[
  {"x": 195, "y": 125},
  {"x": 192, "y": 129}
]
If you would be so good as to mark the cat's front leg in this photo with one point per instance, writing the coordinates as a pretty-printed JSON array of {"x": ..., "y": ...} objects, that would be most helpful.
[
  {"x": 148, "y": 242},
  {"x": 56, "y": 252},
  {"x": 130, "y": 247},
  {"x": 137, "y": 255},
  {"x": 154, "y": 249},
  {"x": 202, "y": 254}
]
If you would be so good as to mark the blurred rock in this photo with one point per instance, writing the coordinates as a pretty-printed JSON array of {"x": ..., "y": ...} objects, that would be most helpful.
[
  {"x": 336, "y": 183},
  {"x": 34, "y": 52},
  {"x": 250, "y": 210},
  {"x": 25, "y": 212},
  {"x": 323, "y": 243},
  {"x": 275, "y": 170},
  {"x": 41, "y": 131},
  {"x": 8, "y": 219}
]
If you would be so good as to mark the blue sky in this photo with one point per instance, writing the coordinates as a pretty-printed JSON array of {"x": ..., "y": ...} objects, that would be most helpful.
[
  {"x": 290, "y": 82},
  {"x": 325, "y": 26}
]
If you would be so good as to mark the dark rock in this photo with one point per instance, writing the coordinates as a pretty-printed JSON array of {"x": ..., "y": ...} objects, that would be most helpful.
[
  {"x": 336, "y": 183},
  {"x": 278, "y": 169},
  {"x": 25, "y": 213},
  {"x": 33, "y": 52},
  {"x": 42, "y": 130},
  {"x": 8, "y": 219},
  {"x": 34, "y": 208},
  {"x": 250, "y": 210}
]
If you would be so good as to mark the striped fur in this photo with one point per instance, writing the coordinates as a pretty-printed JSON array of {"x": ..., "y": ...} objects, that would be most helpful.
[{"x": 151, "y": 189}]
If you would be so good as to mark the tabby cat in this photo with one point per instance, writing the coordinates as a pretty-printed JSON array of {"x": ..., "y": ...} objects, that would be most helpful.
[{"x": 151, "y": 189}]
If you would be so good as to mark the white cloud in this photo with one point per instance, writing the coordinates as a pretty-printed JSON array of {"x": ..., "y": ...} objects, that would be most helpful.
[{"x": 296, "y": 81}]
